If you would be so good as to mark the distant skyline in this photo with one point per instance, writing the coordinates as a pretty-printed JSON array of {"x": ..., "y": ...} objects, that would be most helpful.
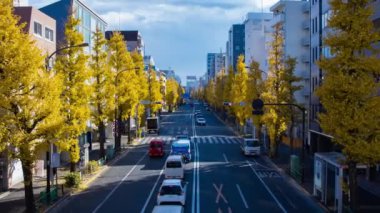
[{"x": 177, "y": 33}]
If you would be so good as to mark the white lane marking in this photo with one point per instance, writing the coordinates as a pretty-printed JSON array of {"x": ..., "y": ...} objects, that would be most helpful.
[
  {"x": 242, "y": 196},
  {"x": 267, "y": 188},
  {"x": 194, "y": 177},
  {"x": 198, "y": 182},
  {"x": 219, "y": 193},
  {"x": 117, "y": 186},
  {"x": 225, "y": 158},
  {"x": 151, "y": 192}
]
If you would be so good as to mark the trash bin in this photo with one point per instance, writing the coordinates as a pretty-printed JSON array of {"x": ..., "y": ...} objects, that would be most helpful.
[{"x": 110, "y": 151}]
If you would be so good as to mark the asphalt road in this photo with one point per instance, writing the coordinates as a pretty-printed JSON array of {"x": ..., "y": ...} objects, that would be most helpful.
[{"x": 219, "y": 177}]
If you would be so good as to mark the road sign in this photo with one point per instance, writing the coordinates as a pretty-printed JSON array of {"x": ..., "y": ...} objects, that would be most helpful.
[{"x": 144, "y": 102}]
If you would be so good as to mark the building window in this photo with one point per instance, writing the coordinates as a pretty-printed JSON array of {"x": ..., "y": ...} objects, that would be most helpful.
[
  {"x": 49, "y": 34},
  {"x": 37, "y": 28}
]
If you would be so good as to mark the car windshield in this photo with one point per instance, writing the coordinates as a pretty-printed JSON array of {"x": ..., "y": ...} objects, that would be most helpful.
[
  {"x": 173, "y": 164},
  {"x": 155, "y": 145},
  {"x": 171, "y": 190},
  {"x": 252, "y": 143}
]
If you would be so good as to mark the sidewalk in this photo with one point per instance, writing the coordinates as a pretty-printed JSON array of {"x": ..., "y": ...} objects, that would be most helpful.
[{"x": 13, "y": 200}]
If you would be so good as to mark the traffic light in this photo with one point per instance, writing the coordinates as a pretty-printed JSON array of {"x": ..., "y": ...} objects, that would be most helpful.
[{"x": 257, "y": 106}]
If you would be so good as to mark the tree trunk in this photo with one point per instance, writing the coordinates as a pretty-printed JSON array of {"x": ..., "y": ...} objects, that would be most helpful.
[
  {"x": 119, "y": 130},
  {"x": 27, "y": 165},
  {"x": 72, "y": 166},
  {"x": 352, "y": 184},
  {"x": 129, "y": 129},
  {"x": 102, "y": 138}
]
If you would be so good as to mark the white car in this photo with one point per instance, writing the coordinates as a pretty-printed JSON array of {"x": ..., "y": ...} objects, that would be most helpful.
[
  {"x": 172, "y": 191},
  {"x": 168, "y": 209},
  {"x": 201, "y": 121}
]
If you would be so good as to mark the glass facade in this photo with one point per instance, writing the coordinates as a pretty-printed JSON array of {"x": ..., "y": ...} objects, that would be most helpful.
[{"x": 89, "y": 23}]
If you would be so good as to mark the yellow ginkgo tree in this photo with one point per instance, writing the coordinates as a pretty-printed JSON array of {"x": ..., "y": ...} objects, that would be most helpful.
[
  {"x": 349, "y": 91},
  {"x": 155, "y": 95},
  {"x": 239, "y": 92},
  {"x": 30, "y": 104},
  {"x": 276, "y": 117},
  {"x": 143, "y": 89},
  {"x": 126, "y": 80},
  {"x": 102, "y": 98},
  {"x": 75, "y": 97}
]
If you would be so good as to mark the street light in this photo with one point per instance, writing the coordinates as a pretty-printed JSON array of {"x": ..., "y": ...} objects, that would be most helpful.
[
  {"x": 117, "y": 142},
  {"x": 48, "y": 160},
  {"x": 59, "y": 50},
  {"x": 259, "y": 70}
]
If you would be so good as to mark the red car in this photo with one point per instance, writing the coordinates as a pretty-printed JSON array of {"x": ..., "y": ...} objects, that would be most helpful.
[{"x": 156, "y": 148}]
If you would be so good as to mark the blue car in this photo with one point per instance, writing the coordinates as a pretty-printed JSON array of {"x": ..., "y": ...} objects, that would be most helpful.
[{"x": 182, "y": 147}]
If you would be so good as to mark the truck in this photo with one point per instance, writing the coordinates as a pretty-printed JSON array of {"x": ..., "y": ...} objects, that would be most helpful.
[{"x": 153, "y": 125}]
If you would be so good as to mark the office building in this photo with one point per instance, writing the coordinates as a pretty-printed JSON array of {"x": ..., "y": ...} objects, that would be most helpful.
[
  {"x": 215, "y": 63},
  {"x": 90, "y": 20},
  {"x": 235, "y": 45}
]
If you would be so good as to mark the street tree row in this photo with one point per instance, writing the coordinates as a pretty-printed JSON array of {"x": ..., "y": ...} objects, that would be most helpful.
[
  {"x": 41, "y": 106},
  {"x": 349, "y": 89}
]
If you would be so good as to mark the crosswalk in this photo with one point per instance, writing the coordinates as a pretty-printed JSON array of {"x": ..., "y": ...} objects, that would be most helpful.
[
  {"x": 216, "y": 140},
  {"x": 197, "y": 139}
]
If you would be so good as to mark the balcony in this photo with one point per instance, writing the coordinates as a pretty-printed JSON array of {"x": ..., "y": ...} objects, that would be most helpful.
[
  {"x": 306, "y": 7},
  {"x": 305, "y": 59},
  {"x": 306, "y": 25},
  {"x": 278, "y": 19},
  {"x": 305, "y": 42}
]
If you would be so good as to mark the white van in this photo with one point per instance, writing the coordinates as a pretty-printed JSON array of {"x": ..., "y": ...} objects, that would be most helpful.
[
  {"x": 250, "y": 146},
  {"x": 174, "y": 167},
  {"x": 168, "y": 209}
]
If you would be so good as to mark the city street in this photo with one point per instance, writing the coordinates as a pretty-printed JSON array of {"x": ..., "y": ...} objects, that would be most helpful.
[{"x": 219, "y": 178}]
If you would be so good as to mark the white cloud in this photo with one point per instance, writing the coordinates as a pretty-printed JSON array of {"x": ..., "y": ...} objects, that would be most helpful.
[{"x": 178, "y": 33}]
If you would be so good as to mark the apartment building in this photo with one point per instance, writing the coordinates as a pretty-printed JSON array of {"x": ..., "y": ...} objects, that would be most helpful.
[{"x": 258, "y": 34}]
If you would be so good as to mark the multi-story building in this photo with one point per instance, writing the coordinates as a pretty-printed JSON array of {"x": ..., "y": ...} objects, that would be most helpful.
[
  {"x": 293, "y": 19},
  {"x": 90, "y": 21},
  {"x": 42, "y": 29},
  {"x": 149, "y": 61},
  {"x": 191, "y": 83},
  {"x": 215, "y": 63},
  {"x": 320, "y": 11},
  {"x": 169, "y": 73},
  {"x": 235, "y": 45},
  {"x": 258, "y": 34},
  {"x": 133, "y": 40}
]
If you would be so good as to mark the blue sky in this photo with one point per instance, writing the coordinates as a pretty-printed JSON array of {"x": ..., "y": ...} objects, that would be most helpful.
[{"x": 177, "y": 33}]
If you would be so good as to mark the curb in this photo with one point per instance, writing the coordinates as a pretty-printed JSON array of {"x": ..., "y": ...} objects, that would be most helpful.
[{"x": 66, "y": 197}]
